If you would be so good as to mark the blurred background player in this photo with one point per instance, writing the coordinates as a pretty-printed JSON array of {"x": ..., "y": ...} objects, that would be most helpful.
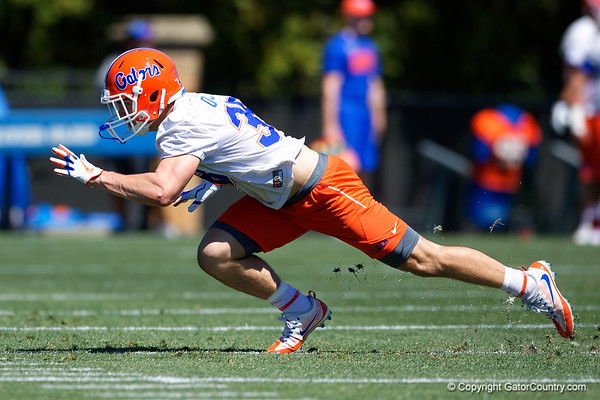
[
  {"x": 15, "y": 186},
  {"x": 353, "y": 95},
  {"x": 578, "y": 111},
  {"x": 138, "y": 34},
  {"x": 505, "y": 140}
]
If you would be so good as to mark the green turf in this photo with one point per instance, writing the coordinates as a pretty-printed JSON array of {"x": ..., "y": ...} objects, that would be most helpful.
[{"x": 103, "y": 301}]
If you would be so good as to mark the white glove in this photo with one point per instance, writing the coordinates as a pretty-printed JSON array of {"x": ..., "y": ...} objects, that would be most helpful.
[
  {"x": 559, "y": 117},
  {"x": 578, "y": 121},
  {"x": 200, "y": 193},
  {"x": 76, "y": 167},
  {"x": 569, "y": 117}
]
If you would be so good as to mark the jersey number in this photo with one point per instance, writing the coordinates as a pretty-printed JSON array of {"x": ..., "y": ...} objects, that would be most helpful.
[{"x": 235, "y": 109}]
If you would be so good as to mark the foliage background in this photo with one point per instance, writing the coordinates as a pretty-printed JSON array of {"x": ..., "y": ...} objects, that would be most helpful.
[{"x": 273, "y": 47}]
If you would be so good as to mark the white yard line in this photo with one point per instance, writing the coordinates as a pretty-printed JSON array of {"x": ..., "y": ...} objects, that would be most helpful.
[
  {"x": 450, "y": 327},
  {"x": 401, "y": 293},
  {"x": 271, "y": 328},
  {"x": 371, "y": 380},
  {"x": 375, "y": 293},
  {"x": 74, "y": 296},
  {"x": 271, "y": 310},
  {"x": 81, "y": 379},
  {"x": 143, "y": 268},
  {"x": 146, "y": 386},
  {"x": 186, "y": 395},
  {"x": 50, "y": 370},
  {"x": 175, "y": 380},
  {"x": 17, "y": 363},
  {"x": 58, "y": 372}
]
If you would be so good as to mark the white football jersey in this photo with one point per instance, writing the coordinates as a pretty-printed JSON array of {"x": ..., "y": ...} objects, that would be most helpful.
[
  {"x": 233, "y": 144},
  {"x": 580, "y": 48}
]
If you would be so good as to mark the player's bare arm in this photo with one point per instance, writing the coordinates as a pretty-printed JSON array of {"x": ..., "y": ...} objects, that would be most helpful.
[
  {"x": 331, "y": 86},
  {"x": 159, "y": 188},
  {"x": 575, "y": 81},
  {"x": 377, "y": 104}
]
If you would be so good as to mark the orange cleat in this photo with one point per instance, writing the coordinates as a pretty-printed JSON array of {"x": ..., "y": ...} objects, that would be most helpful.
[
  {"x": 299, "y": 326},
  {"x": 547, "y": 299}
]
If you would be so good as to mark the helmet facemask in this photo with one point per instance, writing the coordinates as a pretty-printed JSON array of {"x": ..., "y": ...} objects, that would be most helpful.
[{"x": 125, "y": 120}]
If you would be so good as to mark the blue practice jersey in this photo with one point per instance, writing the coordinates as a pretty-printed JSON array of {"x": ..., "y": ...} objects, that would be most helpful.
[{"x": 357, "y": 59}]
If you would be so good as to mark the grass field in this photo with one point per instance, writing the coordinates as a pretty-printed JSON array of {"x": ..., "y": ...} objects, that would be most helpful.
[{"x": 132, "y": 317}]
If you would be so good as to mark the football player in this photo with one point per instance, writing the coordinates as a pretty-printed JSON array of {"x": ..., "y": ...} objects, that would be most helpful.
[
  {"x": 505, "y": 141},
  {"x": 290, "y": 189},
  {"x": 578, "y": 111},
  {"x": 353, "y": 99}
]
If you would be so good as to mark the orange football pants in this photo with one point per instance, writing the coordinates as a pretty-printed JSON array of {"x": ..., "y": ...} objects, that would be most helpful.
[{"x": 339, "y": 205}]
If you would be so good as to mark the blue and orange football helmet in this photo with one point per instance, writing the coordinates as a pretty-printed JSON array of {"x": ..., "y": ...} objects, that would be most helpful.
[{"x": 139, "y": 84}]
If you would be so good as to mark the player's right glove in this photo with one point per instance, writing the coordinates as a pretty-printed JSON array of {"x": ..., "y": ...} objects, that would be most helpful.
[
  {"x": 73, "y": 166},
  {"x": 200, "y": 193}
]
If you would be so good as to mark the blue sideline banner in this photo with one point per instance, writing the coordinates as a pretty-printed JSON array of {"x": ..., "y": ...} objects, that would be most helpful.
[{"x": 35, "y": 131}]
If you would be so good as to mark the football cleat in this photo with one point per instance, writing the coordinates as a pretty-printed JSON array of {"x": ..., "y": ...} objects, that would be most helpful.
[
  {"x": 299, "y": 326},
  {"x": 547, "y": 298}
]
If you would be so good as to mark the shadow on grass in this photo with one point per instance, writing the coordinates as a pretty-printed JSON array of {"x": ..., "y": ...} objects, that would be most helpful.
[
  {"x": 153, "y": 349},
  {"x": 139, "y": 349},
  {"x": 157, "y": 349}
]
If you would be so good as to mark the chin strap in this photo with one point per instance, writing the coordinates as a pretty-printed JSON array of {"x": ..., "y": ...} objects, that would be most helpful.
[
  {"x": 161, "y": 106},
  {"x": 102, "y": 132},
  {"x": 140, "y": 128}
]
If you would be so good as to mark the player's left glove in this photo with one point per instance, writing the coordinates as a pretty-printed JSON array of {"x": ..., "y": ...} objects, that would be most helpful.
[
  {"x": 200, "y": 193},
  {"x": 76, "y": 167}
]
